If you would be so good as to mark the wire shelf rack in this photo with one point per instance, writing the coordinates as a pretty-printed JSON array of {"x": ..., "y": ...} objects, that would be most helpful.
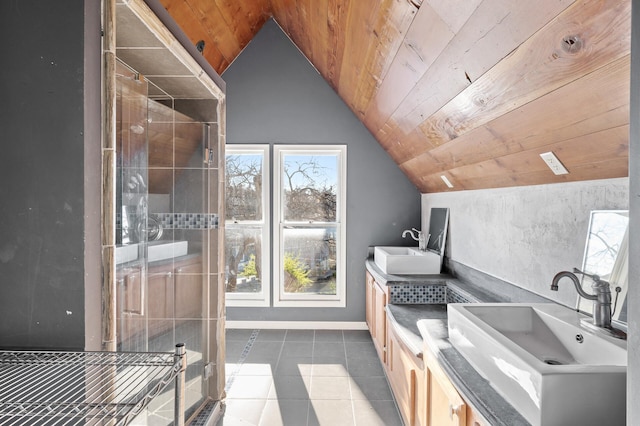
[{"x": 47, "y": 388}]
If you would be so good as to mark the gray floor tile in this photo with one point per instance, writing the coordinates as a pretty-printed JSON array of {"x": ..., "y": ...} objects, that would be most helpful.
[
  {"x": 306, "y": 377},
  {"x": 290, "y": 387},
  {"x": 356, "y": 336},
  {"x": 297, "y": 349},
  {"x": 330, "y": 413},
  {"x": 257, "y": 368},
  {"x": 365, "y": 366},
  {"x": 271, "y": 336},
  {"x": 361, "y": 350},
  {"x": 300, "y": 336},
  {"x": 370, "y": 388},
  {"x": 233, "y": 350},
  {"x": 329, "y": 336},
  {"x": 376, "y": 413},
  {"x": 329, "y": 367},
  {"x": 297, "y": 366},
  {"x": 243, "y": 412},
  {"x": 330, "y": 388},
  {"x": 236, "y": 334},
  {"x": 265, "y": 351},
  {"x": 250, "y": 387},
  {"x": 325, "y": 349},
  {"x": 283, "y": 412}
]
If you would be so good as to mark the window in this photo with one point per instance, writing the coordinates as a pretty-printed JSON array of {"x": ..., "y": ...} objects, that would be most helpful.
[
  {"x": 247, "y": 226},
  {"x": 309, "y": 225},
  {"x": 308, "y": 233}
]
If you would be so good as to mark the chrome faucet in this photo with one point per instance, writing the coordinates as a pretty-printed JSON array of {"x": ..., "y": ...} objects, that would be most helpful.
[
  {"x": 601, "y": 300},
  {"x": 421, "y": 238}
]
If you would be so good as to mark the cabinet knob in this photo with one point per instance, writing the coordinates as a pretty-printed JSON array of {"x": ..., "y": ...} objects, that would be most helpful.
[{"x": 453, "y": 411}]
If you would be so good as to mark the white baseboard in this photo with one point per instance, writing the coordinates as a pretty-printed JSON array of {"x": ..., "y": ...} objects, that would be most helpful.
[{"x": 298, "y": 325}]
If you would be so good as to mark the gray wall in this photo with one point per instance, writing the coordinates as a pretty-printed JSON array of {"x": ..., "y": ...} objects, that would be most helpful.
[
  {"x": 42, "y": 169},
  {"x": 525, "y": 235},
  {"x": 275, "y": 96},
  {"x": 633, "y": 372}
]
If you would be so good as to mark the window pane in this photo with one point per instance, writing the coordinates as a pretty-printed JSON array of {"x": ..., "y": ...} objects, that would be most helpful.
[
  {"x": 310, "y": 260},
  {"x": 310, "y": 184},
  {"x": 244, "y": 187},
  {"x": 243, "y": 259}
]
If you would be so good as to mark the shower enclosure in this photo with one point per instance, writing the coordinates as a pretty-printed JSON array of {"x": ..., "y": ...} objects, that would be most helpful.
[{"x": 162, "y": 285}]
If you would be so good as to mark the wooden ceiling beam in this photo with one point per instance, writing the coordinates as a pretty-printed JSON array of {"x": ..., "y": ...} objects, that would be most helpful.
[
  {"x": 490, "y": 34},
  {"x": 394, "y": 20},
  {"x": 585, "y": 37},
  {"x": 361, "y": 21},
  {"x": 187, "y": 18},
  {"x": 425, "y": 39},
  {"x": 454, "y": 87},
  {"x": 548, "y": 120},
  {"x": 596, "y": 159},
  {"x": 337, "y": 14}
]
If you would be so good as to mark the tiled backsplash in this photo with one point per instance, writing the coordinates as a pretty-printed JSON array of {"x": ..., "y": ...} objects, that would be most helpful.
[
  {"x": 188, "y": 220},
  {"x": 454, "y": 297},
  {"x": 425, "y": 294},
  {"x": 182, "y": 220}
]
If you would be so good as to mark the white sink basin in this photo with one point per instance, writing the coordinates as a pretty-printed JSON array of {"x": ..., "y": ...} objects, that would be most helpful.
[
  {"x": 539, "y": 358},
  {"x": 161, "y": 250},
  {"x": 127, "y": 253},
  {"x": 406, "y": 260},
  {"x": 156, "y": 250}
]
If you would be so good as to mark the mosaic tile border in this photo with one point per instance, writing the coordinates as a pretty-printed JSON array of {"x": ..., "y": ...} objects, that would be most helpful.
[
  {"x": 454, "y": 297},
  {"x": 425, "y": 294},
  {"x": 417, "y": 294},
  {"x": 188, "y": 220},
  {"x": 182, "y": 220}
]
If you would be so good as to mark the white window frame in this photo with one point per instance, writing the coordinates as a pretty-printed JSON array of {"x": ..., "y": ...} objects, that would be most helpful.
[
  {"x": 281, "y": 299},
  {"x": 264, "y": 297}
]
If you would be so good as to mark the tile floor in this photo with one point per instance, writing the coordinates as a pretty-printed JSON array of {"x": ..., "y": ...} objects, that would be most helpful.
[{"x": 305, "y": 377}]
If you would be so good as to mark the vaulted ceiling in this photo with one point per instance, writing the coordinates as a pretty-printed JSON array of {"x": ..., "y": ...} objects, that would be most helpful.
[{"x": 473, "y": 90}]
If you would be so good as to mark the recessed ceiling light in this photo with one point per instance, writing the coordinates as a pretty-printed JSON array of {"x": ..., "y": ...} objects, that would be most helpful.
[
  {"x": 446, "y": 181},
  {"x": 554, "y": 164}
]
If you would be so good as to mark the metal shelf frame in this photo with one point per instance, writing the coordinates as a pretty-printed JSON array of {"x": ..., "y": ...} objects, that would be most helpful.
[{"x": 86, "y": 388}]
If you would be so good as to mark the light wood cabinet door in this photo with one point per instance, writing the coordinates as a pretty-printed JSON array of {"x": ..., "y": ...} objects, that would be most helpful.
[
  {"x": 402, "y": 378},
  {"x": 380, "y": 321},
  {"x": 189, "y": 290},
  {"x": 130, "y": 303},
  {"x": 445, "y": 406},
  {"x": 472, "y": 418},
  {"x": 160, "y": 299},
  {"x": 369, "y": 295},
  {"x": 407, "y": 379}
]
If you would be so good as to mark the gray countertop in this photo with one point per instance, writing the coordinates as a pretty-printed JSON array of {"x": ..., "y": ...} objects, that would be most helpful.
[
  {"x": 420, "y": 324},
  {"x": 427, "y": 323}
]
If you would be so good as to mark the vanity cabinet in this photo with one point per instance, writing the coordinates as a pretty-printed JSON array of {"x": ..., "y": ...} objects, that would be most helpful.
[
  {"x": 174, "y": 290},
  {"x": 423, "y": 392},
  {"x": 160, "y": 300},
  {"x": 376, "y": 315},
  {"x": 472, "y": 418},
  {"x": 406, "y": 375},
  {"x": 445, "y": 406},
  {"x": 130, "y": 320}
]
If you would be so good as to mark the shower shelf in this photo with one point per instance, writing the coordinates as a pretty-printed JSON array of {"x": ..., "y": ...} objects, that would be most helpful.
[{"x": 86, "y": 388}]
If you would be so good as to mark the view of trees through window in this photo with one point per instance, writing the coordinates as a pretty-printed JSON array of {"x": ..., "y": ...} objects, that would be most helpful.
[
  {"x": 309, "y": 189},
  {"x": 244, "y": 222},
  {"x": 307, "y": 230}
]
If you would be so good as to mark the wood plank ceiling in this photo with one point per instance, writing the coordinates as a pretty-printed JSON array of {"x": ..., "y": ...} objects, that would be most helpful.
[{"x": 473, "y": 90}]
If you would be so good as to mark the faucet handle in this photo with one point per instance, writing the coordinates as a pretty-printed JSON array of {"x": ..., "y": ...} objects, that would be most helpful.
[{"x": 594, "y": 277}]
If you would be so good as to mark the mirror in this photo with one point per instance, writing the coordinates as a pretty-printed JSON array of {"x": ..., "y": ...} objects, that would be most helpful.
[
  {"x": 438, "y": 229},
  {"x": 606, "y": 255}
]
